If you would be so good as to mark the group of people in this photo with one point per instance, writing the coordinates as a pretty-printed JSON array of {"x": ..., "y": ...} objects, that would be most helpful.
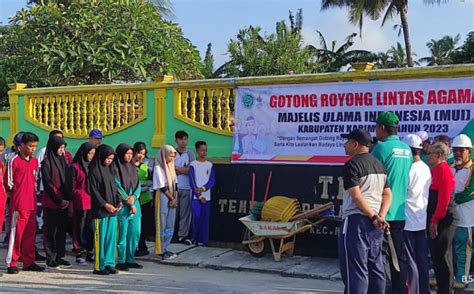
[
  {"x": 110, "y": 201},
  {"x": 407, "y": 208}
]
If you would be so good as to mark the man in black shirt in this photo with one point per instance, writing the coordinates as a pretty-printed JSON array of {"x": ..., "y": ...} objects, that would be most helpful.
[{"x": 366, "y": 200}]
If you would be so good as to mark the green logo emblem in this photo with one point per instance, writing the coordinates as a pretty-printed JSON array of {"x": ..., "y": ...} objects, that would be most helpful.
[{"x": 248, "y": 101}]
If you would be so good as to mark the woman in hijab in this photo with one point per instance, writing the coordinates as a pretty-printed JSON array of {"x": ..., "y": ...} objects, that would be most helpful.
[
  {"x": 166, "y": 200},
  {"x": 129, "y": 217},
  {"x": 83, "y": 234},
  {"x": 55, "y": 203},
  {"x": 105, "y": 204}
]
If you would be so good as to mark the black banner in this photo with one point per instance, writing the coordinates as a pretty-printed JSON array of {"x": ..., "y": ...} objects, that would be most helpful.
[{"x": 311, "y": 185}]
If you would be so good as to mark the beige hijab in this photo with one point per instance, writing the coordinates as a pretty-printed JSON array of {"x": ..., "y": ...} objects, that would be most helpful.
[{"x": 165, "y": 151}]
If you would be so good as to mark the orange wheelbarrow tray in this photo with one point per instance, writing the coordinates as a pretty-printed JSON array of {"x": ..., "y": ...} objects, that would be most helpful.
[{"x": 259, "y": 231}]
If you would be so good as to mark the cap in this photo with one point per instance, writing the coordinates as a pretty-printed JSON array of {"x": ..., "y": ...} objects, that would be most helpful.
[
  {"x": 414, "y": 141},
  {"x": 17, "y": 139},
  {"x": 423, "y": 135},
  {"x": 462, "y": 141},
  {"x": 359, "y": 135},
  {"x": 96, "y": 133},
  {"x": 388, "y": 119}
]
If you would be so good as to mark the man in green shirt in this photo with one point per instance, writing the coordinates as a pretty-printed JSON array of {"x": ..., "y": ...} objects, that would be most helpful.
[{"x": 397, "y": 159}]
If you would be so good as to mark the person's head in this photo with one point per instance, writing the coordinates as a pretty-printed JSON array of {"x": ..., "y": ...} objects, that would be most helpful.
[
  {"x": 462, "y": 147},
  {"x": 443, "y": 139},
  {"x": 124, "y": 153},
  {"x": 139, "y": 151},
  {"x": 201, "y": 149},
  {"x": 167, "y": 154},
  {"x": 250, "y": 125},
  {"x": 425, "y": 138},
  {"x": 181, "y": 139},
  {"x": 2, "y": 145},
  {"x": 56, "y": 146},
  {"x": 95, "y": 137},
  {"x": 438, "y": 153},
  {"x": 56, "y": 133},
  {"x": 415, "y": 143},
  {"x": 358, "y": 141},
  {"x": 105, "y": 155},
  {"x": 29, "y": 143},
  {"x": 87, "y": 152},
  {"x": 387, "y": 125},
  {"x": 17, "y": 141}
]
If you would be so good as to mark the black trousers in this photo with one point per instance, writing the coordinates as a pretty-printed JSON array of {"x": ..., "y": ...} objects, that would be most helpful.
[
  {"x": 147, "y": 224},
  {"x": 54, "y": 231},
  {"x": 396, "y": 281},
  {"x": 83, "y": 234},
  {"x": 441, "y": 250}
]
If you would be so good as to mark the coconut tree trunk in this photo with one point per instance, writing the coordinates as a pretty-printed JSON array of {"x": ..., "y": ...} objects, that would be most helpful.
[{"x": 403, "y": 9}]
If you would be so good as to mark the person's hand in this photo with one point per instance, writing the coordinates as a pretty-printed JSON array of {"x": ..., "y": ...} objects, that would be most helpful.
[
  {"x": 433, "y": 231},
  {"x": 202, "y": 199},
  {"x": 198, "y": 190},
  {"x": 130, "y": 200},
  {"x": 133, "y": 209},
  {"x": 64, "y": 204},
  {"x": 110, "y": 208},
  {"x": 173, "y": 203},
  {"x": 179, "y": 170},
  {"x": 380, "y": 223}
]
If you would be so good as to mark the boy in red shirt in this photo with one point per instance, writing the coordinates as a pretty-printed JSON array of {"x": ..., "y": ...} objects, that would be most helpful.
[{"x": 20, "y": 180}]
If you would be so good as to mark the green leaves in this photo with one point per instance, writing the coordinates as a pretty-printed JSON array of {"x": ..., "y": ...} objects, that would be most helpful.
[{"x": 83, "y": 43}]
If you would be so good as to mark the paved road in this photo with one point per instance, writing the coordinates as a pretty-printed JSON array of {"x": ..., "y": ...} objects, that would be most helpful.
[{"x": 161, "y": 278}]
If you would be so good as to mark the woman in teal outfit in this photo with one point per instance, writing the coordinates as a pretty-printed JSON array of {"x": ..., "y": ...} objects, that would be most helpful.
[{"x": 129, "y": 218}]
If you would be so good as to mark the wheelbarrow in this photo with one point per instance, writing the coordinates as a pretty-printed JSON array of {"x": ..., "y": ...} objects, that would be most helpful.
[{"x": 284, "y": 233}]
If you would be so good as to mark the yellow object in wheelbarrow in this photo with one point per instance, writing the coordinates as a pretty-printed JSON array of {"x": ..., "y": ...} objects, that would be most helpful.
[{"x": 280, "y": 209}]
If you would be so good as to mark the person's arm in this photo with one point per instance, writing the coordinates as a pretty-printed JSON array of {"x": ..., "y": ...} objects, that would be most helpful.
[
  {"x": 138, "y": 190},
  {"x": 92, "y": 186},
  {"x": 445, "y": 190},
  {"x": 8, "y": 176},
  {"x": 53, "y": 192},
  {"x": 121, "y": 191},
  {"x": 386, "y": 202},
  {"x": 192, "y": 181},
  {"x": 159, "y": 183},
  {"x": 210, "y": 183}
]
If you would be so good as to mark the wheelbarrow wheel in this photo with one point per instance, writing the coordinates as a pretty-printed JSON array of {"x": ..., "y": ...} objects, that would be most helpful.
[{"x": 256, "y": 249}]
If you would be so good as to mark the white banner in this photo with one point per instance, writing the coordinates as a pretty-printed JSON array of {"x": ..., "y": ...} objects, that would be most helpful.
[{"x": 303, "y": 123}]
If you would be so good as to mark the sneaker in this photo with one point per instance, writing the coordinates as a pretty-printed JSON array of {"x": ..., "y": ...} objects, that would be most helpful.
[
  {"x": 39, "y": 257},
  {"x": 63, "y": 263},
  {"x": 459, "y": 286},
  {"x": 81, "y": 261},
  {"x": 168, "y": 255},
  {"x": 188, "y": 242},
  {"x": 433, "y": 282},
  {"x": 52, "y": 264},
  {"x": 134, "y": 265},
  {"x": 139, "y": 253},
  {"x": 13, "y": 270},
  {"x": 201, "y": 244},
  {"x": 103, "y": 272},
  {"x": 89, "y": 257},
  {"x": 122, "y": 267},
  {"x": 33, "y": 268},
  {"x": 111, "y": 270}
]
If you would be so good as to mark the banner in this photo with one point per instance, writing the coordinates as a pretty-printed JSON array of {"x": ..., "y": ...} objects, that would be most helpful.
[{"x": 303, "y": 123}]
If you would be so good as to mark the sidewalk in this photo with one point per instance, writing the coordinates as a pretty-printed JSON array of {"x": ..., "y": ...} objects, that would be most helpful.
[{"x": 229, "y": 259}]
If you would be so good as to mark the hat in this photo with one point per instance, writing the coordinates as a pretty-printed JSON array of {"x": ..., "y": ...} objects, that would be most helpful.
[
  {"x": 360, "y": 135},
  {"x": 17, "y": 139},
  {"x": 414, "y": 141},
  {"x": 462, "y": 141},
  {"x": 388, "y": 119},
  {"x": 423, "y": 135},
  {"x": 96, "y": 133}
]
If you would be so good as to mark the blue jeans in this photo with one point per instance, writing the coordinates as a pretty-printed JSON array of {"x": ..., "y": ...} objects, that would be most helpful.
[{"x": 167, "y": 218}]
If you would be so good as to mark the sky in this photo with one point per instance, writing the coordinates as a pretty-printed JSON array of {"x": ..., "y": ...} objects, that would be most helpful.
[{"x": 218, "y": 21}]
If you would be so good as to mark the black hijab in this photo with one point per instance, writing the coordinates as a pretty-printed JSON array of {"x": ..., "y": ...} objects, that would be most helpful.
[
  {"x": 103, "y": 176},
  {"x": 55, "y": 163},
  {"x": 127, "y": 172},
  {"x": 81, "y": 156}
]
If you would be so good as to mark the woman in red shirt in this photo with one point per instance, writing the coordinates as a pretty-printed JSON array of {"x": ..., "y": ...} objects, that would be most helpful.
[
  {"x": 82, "y": 233},
  {"x": 442, "y": 216}
]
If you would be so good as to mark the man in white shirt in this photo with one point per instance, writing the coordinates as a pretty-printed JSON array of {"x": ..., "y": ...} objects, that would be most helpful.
[
  {"x": 181, "y": 162},
  {"x": 416, "y": 204},
  {"x": 464, "y": 197}
]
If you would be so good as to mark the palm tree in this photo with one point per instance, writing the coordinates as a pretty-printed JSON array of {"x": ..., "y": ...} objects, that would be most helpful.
[
  {"x": 374, "y": 9},
  {"x": 441, "y": 50},
  {"x": 397, "y": 56},
  {"x": 383, "y": 60},
  {"x": 333, "y": 59}
]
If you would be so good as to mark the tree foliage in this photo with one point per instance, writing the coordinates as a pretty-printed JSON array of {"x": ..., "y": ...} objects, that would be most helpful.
[
  {"x": 279, "y": 53},
  {"x": 88, "y": 43},
  {"x": 465, "y": 53},
  {"x": 441, "y": 50},
  {"x": 208, "y": 63}
]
